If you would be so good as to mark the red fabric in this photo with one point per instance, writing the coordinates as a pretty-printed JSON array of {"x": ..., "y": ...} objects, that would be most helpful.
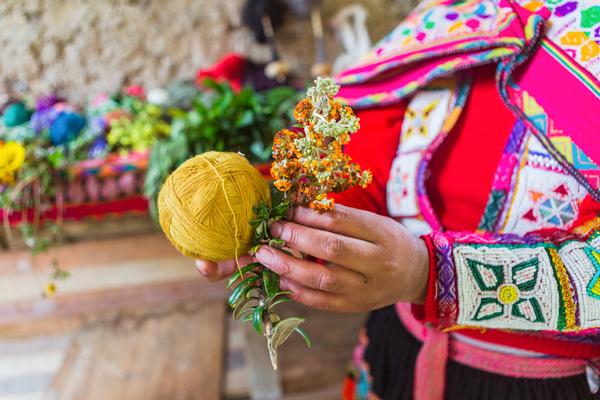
[
  {"x": 349, "y": 389},
  {"x": 230, "y": 69},
  {"x": 76, "y": 212},
  {"x": 534, "y": 343},
  {"x": 473, "y": 149},
  {"x": 374, "y": 147},
  {"x": 419, "y": 310}
]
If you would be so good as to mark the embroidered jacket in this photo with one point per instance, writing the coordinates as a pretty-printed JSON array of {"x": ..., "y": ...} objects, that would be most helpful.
[{"x": 534, "y": 263}]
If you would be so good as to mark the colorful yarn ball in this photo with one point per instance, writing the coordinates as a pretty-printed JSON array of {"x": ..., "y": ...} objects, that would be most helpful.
[
  {"x": 16, "y": 114},
  {"x": 98, "y": 148},
  {"x": 47, "y": 102},
  {"x": 136, "y": 91},
  {"x": 206, "y": 204},
  {"x": 43, "y": 119},
  {"x": 66, "y": 127},
  {"x": 158, "y": 96}
]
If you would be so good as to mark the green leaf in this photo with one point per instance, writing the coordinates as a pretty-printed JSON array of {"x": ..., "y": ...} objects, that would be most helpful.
[
  {"x": 247, "y": 118},
  {"x": 277, "y": 243},
  {"x": 60, "y": 275},
  {"x": 257, "y": 149},
  {"x": 257, "y": 319},
  {"x": 247, "y": 318},
  {"x": 262, "y": 211},
  {"x": 254, "y": 293},
  {"x": 270, "y": 282},
  {"x": 241, "y": 289},
  {"x": 282, "y": 293},
  {"x": 280, "y": 300},
  {"x": 254, "y": 223},
  {"x": 274, "y": 318},
  {"x": 56, "y": 159},
  {"x": 281, "y": 210},
  {"x": 262, "y": 231},
  {"x": 241, "y": 272},
  {"x": 283, "y": 330},
  {"x": 304, "y": 335},
  {"x": 243, "y": 306}
]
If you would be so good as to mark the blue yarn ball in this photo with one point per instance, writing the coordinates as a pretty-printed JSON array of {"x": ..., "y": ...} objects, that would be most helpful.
[
  {"x": 16, "y": 114},
  {"x": 66, "y": 127}
]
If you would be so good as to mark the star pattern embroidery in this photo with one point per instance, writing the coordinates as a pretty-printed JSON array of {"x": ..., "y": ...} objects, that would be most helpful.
[
  {"x": 507, "y": 291},
  {"x": 554, "y": 209},
  {"x": 416, "y": 120}
]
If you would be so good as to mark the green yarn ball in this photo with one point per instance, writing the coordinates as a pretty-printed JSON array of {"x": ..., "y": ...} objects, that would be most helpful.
[{"x": 16, "y": 114}]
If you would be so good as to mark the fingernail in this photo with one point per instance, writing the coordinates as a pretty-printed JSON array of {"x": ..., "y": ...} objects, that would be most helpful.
[
  {"x": 276, "y": 229},
  {"x": 265, "y": 255},
  {"x": 202, "y": 271}
]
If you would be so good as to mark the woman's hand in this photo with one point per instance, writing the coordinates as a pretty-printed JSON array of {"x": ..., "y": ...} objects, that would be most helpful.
[
  {"x": 214, "y": 271},
  {"x": 374, "y": 260}
]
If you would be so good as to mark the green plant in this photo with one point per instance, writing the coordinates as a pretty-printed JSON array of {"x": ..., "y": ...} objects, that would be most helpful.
[
  {"x": 37, "y": 189},
  {"x": 308, "y": 165},
  {"x": 139, "y": 132},
  {"x": 256, "y": 294},
  {"x": 223, "y": 120}
]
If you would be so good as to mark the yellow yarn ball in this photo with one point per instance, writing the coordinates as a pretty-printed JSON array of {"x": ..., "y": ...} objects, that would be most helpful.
[{"x": 205, "y": 205}]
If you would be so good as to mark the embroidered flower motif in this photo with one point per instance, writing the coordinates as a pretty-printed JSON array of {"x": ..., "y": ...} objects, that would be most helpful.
[
  {"x": 507, "y": 291},
  {"x": 417, "y": 120}
]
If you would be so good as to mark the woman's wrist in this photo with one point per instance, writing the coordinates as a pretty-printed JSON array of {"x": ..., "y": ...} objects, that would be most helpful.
[{"x": 420, "y": 272}]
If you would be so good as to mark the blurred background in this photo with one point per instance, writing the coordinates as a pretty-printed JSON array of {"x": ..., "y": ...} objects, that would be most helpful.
[{"x": 99, "y": 102}]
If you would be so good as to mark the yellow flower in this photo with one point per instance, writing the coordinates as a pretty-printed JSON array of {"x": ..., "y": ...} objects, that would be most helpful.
[
  {"x": 50, "y": 289},
  {"x": 283, "y": 185},
  {"x": 310, "y": 162},
  {"x": 12, "y": 156}
]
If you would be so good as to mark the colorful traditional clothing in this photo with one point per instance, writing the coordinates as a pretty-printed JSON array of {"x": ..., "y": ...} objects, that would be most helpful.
[{"x": 514, "y": 238}]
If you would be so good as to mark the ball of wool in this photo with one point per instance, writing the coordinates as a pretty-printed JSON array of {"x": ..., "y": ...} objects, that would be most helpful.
[
  {"x": 47, "y": 102},
  {"x": 205, "y": 205},
  {"x": 98, "y": 148},
  {"x": 158, "y": 96},
  {"x": 66, "y": 127},
  {"x": 16, "y": 114},
  {"x": 43, "y": 119}
]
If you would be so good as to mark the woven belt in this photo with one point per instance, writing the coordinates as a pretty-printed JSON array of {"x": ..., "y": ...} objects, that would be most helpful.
[{"x": 438, "y": 347}]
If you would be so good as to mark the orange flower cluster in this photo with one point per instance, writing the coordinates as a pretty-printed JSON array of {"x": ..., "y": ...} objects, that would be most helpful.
[{"x": 310, "y": 162}]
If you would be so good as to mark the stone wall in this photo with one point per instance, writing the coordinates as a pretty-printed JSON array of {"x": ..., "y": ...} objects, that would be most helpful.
[{"x": 79, "y": 47}]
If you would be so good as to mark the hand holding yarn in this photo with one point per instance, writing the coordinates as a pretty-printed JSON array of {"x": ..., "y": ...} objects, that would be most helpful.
[{"x": 216, "y": 206}]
